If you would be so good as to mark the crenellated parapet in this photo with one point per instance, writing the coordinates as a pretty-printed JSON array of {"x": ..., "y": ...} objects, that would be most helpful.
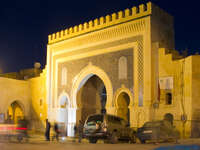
[
  {"x": 102, "y": 22},
  {"x": 171, "y": 54}
]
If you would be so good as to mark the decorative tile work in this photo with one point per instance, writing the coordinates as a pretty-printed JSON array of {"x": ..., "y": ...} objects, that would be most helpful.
[{"x": 140, "y": 68}]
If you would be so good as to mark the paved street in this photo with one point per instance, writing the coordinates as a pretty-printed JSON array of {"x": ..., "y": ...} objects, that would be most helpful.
[{"x": 38, "y": 143}]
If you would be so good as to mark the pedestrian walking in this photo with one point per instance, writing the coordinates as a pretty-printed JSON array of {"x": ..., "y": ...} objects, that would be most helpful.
[
  {"x": 80, "y": 131},
  {"x": 75, "y": 133},
  {"x": 47, "y": 132},
  {"x": 56, "y": 132}
]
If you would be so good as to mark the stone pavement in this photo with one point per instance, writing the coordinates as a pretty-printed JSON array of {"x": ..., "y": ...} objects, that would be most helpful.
[
  {"x": 37, "y": 142},
  {"x": 36, "y": 138}
]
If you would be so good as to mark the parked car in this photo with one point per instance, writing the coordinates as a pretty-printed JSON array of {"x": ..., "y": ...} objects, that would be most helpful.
[
  {"x": 11, "y": 131},
  {"x": 110, "y": 128},
  {"x": 157, "y": 130}
]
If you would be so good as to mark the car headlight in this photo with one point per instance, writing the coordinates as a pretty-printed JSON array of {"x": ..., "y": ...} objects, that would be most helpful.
[{"x": 104, "y": 129}]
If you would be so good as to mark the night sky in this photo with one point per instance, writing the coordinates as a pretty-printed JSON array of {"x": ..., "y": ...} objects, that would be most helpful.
[{"x": 26, "y": 24}]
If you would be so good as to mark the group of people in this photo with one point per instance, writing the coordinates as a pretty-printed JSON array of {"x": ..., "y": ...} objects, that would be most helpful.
[
  {"x": 78, "y": 129},
  {"x": 48, "y": 128}
]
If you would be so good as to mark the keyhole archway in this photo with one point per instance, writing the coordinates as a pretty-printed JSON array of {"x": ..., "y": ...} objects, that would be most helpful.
[
  {"x": 62, "y": 113},
  {"x": 123, "y": 102},
  {"x": 91, "y": 97},
  {"x": 81, "y": 79},
  {"x": 15, "y": 112}
]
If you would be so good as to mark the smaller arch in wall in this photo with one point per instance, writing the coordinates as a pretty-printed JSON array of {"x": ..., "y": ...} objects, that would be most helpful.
[
  {"x": 15, "y": 111},
  {"x": 123, "y": 102},
  {"x": 64, "y": 101},
  {"x": 63, "y": 111},
  {"x": 125, "y": 90}
]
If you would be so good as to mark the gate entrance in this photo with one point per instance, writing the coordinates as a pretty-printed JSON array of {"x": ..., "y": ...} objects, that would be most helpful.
[{"x": 92, "y": 97}]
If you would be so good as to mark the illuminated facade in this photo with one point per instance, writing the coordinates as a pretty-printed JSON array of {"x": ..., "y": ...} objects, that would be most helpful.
[
  {"x": 15, "y": 99},
  {"x": 23, "y": 96},
  {"x": 123, "y": 64},
  {"x": 118, "y": 64}
]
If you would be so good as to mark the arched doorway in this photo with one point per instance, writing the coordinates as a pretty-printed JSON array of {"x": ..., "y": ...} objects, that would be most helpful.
[
  {"x": 15, "y": 112},
  {"x": 169, "y": 117},
  {"x": 123, "y": 101},
  {"x": 78, "y": 82},
  {"x": 62, "y": 113},
  {"x": 91, "y": 97}
]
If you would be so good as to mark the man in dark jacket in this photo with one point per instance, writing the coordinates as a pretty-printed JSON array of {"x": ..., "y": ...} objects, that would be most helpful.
[
  {"x": 56, "y": 131},
  {"x": 47, "y": 132},
  {"x": 80, "y": 131}
]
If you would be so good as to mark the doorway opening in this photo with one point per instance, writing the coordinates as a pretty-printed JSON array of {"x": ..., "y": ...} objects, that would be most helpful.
[
  {"x": 91, "y": 97},
  {"x": 123, "y": 102},
  {"x": 15, "y": 112}
]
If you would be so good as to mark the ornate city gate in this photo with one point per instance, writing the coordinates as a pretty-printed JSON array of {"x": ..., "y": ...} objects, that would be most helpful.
[{"x": 105, "y": 65}]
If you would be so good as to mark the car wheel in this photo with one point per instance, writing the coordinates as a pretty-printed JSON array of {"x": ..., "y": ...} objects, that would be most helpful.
[
  {"x": 114, "y": 138},
  {"x": 142, "y": 141},
  {"x": 92, "y": 140}
]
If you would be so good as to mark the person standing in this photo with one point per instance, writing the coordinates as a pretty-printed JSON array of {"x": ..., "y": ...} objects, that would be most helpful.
[
  {"x": 80, "y": 131},
  {"x": 47, "y": 132},
  {"x": 56, "y": 131},
  {"x": 75, "y": 133}
]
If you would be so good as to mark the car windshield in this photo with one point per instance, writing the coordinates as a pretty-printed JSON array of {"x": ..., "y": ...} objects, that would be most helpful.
[
  {"x": 95, "y": 119},
  {"x": 153, "y": 124}
]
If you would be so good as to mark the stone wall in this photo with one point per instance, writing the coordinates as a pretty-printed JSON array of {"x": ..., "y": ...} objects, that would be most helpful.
[
  {"x": 105, "y": 62},
  {"x": 181, "y": 72},
  {"x": 195, "y": 96},
  {"x": 14, "y": 90},
  {"x": 38, "y": 102}
]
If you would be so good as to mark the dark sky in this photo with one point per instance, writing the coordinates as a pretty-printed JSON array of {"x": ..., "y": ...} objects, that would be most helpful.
[{"x": 26, "y": 24}]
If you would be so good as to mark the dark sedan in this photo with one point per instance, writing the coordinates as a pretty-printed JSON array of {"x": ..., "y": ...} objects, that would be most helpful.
[{"x": 156, "y": 131}]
